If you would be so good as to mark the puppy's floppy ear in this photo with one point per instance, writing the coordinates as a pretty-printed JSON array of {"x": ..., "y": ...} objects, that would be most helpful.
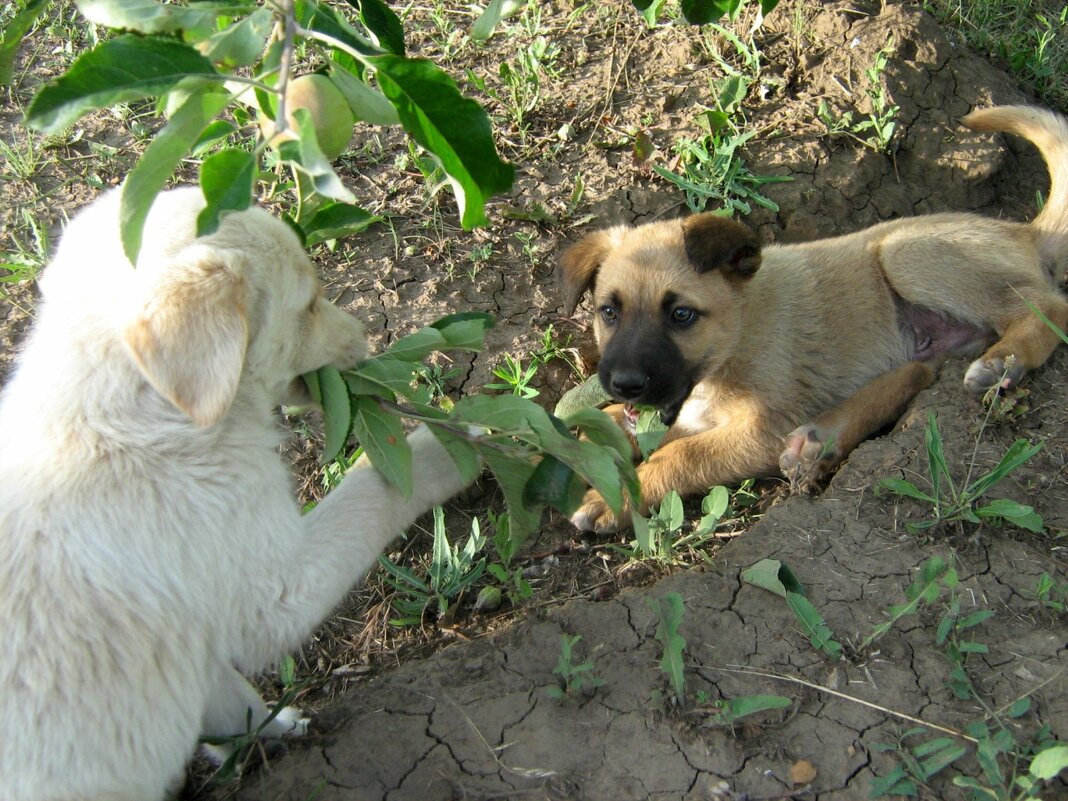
[
  {"x": 717, "y": 243},
  {"x": 190, "y": 334},
  {"x": 579, "y": 265}
]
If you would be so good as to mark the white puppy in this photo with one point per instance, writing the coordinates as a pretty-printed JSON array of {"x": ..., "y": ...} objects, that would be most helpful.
[{"x": 150, "y": 544}]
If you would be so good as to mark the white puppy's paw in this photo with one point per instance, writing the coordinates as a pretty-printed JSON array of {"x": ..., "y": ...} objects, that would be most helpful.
[{"x": 289, "y": 721}]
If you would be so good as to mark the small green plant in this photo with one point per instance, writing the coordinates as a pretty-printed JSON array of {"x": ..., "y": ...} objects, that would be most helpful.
[
  {"x": 1051, "y": 593},
  {"x": 550, "y": 350},
  {"x": 934, "y": 575},
  {"x": 728, "y": 711},
  {"x": 575, "y": 679},
  {"x": 776, "y": 577},
  {"x": 712, "y": 172},
  {"x": 670, "y": 610},
  {"x": 515, "y": 378},
  {"x": 516, "y": 588},
  {"x": 660, "y": 537},
  {"x": 452, "y": 571},
  {"x": 876, "y": 131},
  {"x": 952, "y": 504}
]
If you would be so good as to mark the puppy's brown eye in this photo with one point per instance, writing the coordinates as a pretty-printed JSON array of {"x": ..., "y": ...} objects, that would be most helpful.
[
  {"x": 683, "y": 315},
  {"x": 609, "y": 314}
]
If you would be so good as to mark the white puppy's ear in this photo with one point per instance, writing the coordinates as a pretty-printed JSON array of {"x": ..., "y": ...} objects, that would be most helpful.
[{"x": 189, "y": 336}]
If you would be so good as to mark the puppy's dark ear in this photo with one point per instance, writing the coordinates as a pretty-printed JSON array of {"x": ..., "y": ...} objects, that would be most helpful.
[
  {"x": 717, "y": 243},
  {"x": 579, "y": 265}
]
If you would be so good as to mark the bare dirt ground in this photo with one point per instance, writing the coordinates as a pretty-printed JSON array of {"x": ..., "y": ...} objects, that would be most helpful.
[{"x": 459, "y": 709}]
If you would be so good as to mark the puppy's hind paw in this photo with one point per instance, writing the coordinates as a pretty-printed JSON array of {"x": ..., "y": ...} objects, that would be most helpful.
[
  {"x": 985, "y": 374},
  {"x": 809, "y": 455}
]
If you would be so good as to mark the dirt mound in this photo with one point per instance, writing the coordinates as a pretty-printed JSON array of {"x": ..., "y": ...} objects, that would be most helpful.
[{"x": 475, "y": 721}]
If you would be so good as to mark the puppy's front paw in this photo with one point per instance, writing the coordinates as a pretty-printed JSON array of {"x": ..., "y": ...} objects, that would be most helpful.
[
  {"x": 985, "y": 374},
  {"x": 810, "y": 454},
  {"x": 289, "y": 721},
  {"x": 594, "y": 515}
]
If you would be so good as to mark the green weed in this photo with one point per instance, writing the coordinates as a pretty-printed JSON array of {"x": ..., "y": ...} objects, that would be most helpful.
[
  {"x": 876, "y": 131},
  {"x": 952, "y": 504},
  {"x": 575, "y": 679},
  {"x": 660, "y": 537},
  {"x": 670, "y": 610},
  {"x": 1051, "y": 593},
  {"x": 515, "y": 378},
  {"x": 451, "y": 572},
  {"x": 712, "y": 170}
]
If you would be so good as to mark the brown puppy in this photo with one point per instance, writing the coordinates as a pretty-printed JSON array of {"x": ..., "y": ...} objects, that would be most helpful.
[{"x": 787, "y": 357}]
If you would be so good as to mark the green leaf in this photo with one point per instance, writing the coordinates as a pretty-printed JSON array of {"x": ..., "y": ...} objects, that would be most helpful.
[
  {"x": 589, "y": 394},
  {"x": 1017, "y": 514},
  {"x": 941, "y": 760},
  {"x": 512, "y": 475},
  {"x": 699, "y": 12},
  {"x": 732, "y": 709},
  {"x": 556, "y": 484},
  {"x": 900, "y": 487},
  {"x": 649, "y": 431},
  {"x": 159, "y": 161},
  {"x": 148, "y": 16},
  {"x": 1050, "y": 762},
  {"x": 304, "y": 152},
  {"x": 227, "y": 179},
  {"x": 650, "y": 10},
  {"x": 14, "y": 31},
  {"x": 464, "y": 330},
  {"x": 337, "y": 411},
  {"x": 1019, "y": 707},
  {"x": 671, "y": 511},
  {"x": 242, "y": 43},
  {"x": 367, "y": 104},
  {"x": 715, "y": 504},
  {"x": 324, "y": 19},
  {"x": 774, "y": 576},
  {"x": 336, "y": 220},
  {"x": 128, "y": 67},
  {"x": 1019, "y": 452},
  {"x": 813, "y": 625},
  {"x": 487, "y": 21},
  {"x": 893, "y": 783},
  {"x": 383, "y": 440},
  {"x": 601, "y": 429},
  {"x": 382, "y": 23},
  {"x": 463, "y": 453},
  {"x": 974, "y": 619},
  {"x": 453, "y": 128}
]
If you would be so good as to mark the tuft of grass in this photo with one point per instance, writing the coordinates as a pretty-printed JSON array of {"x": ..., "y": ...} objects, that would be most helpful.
[
  {"x": 1030, "y": 36},
  {"x": 951, "y": 503}
]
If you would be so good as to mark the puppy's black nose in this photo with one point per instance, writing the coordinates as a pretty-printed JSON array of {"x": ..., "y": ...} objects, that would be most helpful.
[{"x": 627, "y": 385}]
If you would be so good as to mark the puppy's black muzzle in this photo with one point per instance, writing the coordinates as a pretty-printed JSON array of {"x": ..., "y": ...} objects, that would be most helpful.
[{"x": 641, "y": 365}]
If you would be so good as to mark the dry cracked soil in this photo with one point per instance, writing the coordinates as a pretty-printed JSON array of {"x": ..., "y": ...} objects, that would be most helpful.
[{"x": 467, "y": 716}]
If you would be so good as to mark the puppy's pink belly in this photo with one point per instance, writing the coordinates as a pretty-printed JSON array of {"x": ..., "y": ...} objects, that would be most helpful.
[{"x": 931, "y": 333}]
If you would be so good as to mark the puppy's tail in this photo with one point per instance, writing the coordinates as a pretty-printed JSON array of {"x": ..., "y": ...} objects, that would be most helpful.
[{"x": 1049, "y": 133}]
